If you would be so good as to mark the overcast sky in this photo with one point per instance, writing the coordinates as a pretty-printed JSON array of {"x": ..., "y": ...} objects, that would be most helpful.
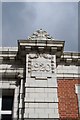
[{"x": 59, "y": 19}]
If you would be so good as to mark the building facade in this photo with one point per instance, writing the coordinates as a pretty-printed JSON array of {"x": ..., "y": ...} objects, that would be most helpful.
[{"x": 39, "y": 80}]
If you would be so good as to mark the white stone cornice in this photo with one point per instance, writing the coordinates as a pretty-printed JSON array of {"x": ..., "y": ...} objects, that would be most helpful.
[
  {"x": 69, "y": 58},
  {"x": 8, "y": 53},
  {"x": 69, "y": 55},
  {"x": 8, "y": 48},
  {"x": 11, "y": 73}
]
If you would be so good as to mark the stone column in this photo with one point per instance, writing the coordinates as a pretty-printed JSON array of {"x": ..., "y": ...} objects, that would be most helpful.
[
  {"x": 21, "y": 103},
  {"x": 15, "y": 105},
  {"x": 0, "y": 102}
]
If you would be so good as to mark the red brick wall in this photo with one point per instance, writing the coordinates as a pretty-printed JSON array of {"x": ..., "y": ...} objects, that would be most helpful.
[{"x": 68, "y": 102}]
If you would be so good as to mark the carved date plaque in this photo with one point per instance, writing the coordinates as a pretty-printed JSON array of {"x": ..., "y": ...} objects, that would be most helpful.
[{"x": 41, "y": 67}]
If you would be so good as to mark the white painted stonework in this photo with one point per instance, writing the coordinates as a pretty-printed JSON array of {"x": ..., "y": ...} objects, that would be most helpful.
[
  {"x": 77, "y": 91},
  {"x": 41, "y": 100},
  {"x": 31, "y": 70}
]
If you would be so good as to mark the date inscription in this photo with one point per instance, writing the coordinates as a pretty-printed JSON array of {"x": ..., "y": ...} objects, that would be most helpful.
[{"x": 44, "y": 67}]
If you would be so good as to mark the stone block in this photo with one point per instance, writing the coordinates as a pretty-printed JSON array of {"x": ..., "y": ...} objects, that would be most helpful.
[
  {"x": 39, "y": 99},
  {"x": 26, "y": 105},
  {"x": 55, "y": 99},
  {"x": 29, "y": 110},
  {"x": 33, "y": 105},
  {"x": 42, "y": 115},
  {"x": 29, "y": 90},
  {"x": 51, "y": 115},
  {"x": 27, "y": 95},
  {"x": 52, "y": 95},
  {"x": 27, "y": 99},
  {"x": 52, "y": 83},
  {"x": 56, "y": 110},
  {"x": 53, "y": 105},
  {"x": 6, "y": 85},
  {"x": 26, "y": 115},
  {"x": 43, "y": 105},
  {"x": 41, "y": 83},
  {"x": 49, "y": 110},
  {"x": 39, "y": 90},
  {"x": 33, "y": 115},
  {"x": 47, "y": 99},
  {"x": 51, "y": 90},
  {"x": 40, "y": 96},
  {"x": 39, "y": 110},
  {"x": 27, "y": 84}
]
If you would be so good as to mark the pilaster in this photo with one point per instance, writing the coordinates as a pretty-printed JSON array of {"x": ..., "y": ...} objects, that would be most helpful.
[
  {"x": 15, "y": 105},
  {"x": 41, "y": 100},
  {"x": 0, "y": 102},
  {"x": 21, "y": 97}
]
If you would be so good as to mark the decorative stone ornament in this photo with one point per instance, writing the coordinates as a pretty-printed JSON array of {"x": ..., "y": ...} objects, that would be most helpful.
[
  {"x": 41, "y": 65},
  {"x": 30, "y": 73}
]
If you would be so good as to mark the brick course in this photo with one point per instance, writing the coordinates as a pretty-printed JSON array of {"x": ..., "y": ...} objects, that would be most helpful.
[{"x": 68, "y": 101}]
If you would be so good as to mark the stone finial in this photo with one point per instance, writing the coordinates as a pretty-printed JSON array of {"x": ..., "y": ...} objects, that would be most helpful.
[{"x": 40, "y": 35}]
